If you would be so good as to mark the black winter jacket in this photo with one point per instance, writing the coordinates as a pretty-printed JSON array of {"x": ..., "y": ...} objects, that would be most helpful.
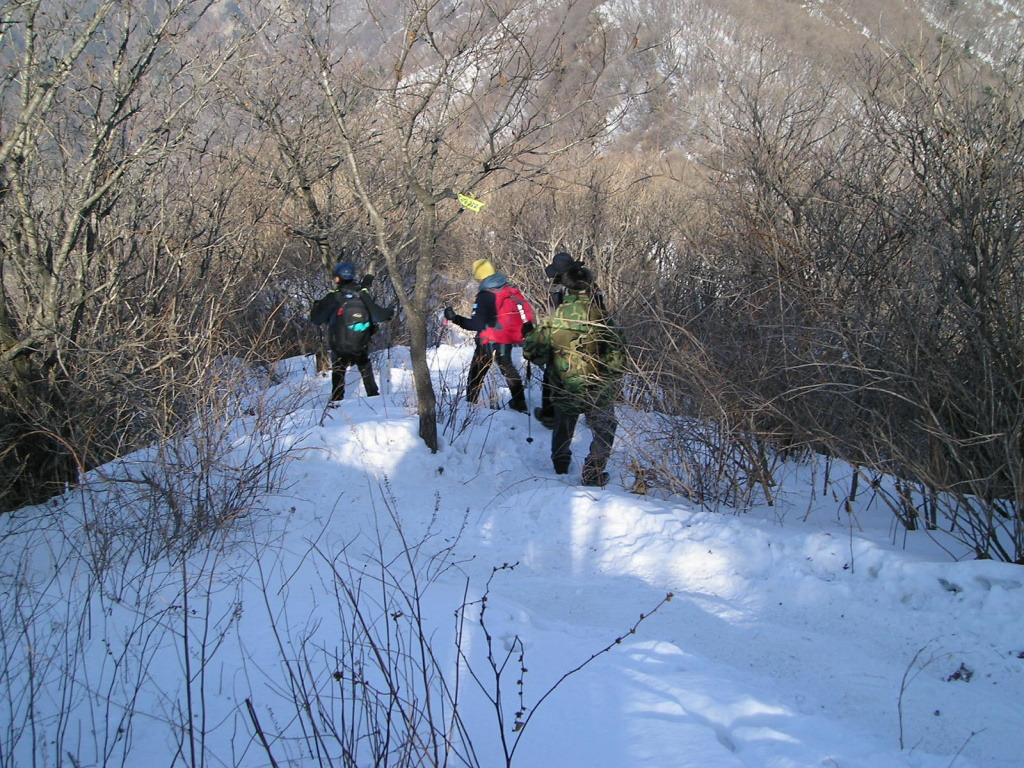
[
  {"x": 485, "y": 307},
  {"x": 323, "y": 309}
]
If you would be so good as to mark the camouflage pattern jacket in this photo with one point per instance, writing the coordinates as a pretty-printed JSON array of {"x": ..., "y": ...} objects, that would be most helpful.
[{"x": 587, "y": 350}]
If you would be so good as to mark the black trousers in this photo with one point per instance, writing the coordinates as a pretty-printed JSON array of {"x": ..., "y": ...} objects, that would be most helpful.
[
  {"x": 483, "y": 356},
  {"x": 547, "y": 386},
  {"x": 602, "y": 422},
  {"x": 341, "y": 363}
]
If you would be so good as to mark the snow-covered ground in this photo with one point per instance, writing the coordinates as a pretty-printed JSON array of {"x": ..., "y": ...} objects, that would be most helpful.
[{"x": 797, "y": 635}]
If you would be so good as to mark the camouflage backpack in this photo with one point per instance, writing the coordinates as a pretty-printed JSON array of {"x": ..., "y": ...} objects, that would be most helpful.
[{"x": 586, "y": 350}]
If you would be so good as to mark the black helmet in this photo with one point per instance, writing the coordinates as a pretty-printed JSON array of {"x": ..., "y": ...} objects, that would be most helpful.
[{"x": 345, "y": 271}]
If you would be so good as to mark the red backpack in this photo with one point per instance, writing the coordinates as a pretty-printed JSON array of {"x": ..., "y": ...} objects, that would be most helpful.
[{"x": 513, "y": 310}]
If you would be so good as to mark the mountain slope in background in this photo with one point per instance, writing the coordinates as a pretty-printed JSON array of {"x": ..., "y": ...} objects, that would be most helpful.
[{"x": 828, "y": 29}]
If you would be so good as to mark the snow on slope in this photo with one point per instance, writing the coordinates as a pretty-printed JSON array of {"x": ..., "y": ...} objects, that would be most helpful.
[{"x": 797, "y": 636}]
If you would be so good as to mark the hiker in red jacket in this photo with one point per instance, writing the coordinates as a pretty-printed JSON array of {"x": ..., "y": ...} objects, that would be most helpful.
[{"x": 483, "y": 321}]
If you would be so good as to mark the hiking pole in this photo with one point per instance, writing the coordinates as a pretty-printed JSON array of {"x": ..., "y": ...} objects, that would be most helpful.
[
  {"x": 319, "y": 350},
  {"x": 387, "y": 342},
  {"x": 487, "y": 432},
  {"x": 529, "y": 415}
]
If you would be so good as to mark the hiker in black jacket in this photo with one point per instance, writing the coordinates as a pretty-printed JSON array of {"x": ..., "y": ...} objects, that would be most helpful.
[
  {"x": 484, "y": 316},
  {"x": 350, "y": 337}
]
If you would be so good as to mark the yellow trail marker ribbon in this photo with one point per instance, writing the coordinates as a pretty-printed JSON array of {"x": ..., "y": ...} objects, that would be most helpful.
[{"x": 470, "y": 202}]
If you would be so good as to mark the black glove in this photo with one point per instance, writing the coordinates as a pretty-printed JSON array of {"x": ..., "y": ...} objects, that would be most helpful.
[
  {"x": 527, "y": 328},
  {"x": 449, "y": 314},
  {"x": 314, "y": 312},
  {"x": 367, "y": 281}
]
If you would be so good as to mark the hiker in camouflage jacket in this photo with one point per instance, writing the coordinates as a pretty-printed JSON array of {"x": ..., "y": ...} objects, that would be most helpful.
[
  {"x": 587, "y": 355},
  {"x": 561, "y": 263}
]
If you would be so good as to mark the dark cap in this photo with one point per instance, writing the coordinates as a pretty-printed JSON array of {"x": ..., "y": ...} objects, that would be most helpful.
[
  {"x": 578, "y": 279},
  {"x": 560, "y": 264}
]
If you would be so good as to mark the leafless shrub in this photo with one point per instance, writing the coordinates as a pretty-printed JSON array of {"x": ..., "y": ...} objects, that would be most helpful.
[
  {"x": 392, "y": 686},
  {"x": 851, "y": 289},
  {"x": 133, "y": 557},
  {"x": 80, "y": 639},
  {"x": 206, "y": 469}
]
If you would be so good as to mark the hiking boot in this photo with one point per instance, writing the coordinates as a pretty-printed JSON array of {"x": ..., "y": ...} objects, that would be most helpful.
[
  {"x": 547, "y": 419},
  {"x": 561, "y": 466},
  {"x": 592, "y": 477}
]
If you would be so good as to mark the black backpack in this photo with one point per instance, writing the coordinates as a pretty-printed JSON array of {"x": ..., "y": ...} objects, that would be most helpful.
[{"x": 350, "y": 325}]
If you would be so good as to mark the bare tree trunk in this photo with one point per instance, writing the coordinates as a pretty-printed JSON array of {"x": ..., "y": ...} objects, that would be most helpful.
[{"x": 445, "y": 102}]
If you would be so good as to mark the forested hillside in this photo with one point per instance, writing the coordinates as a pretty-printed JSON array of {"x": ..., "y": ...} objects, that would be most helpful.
[{"x": 808, "y": 217}]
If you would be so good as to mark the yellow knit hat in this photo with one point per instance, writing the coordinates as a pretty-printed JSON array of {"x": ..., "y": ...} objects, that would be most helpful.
[{"x": 482, "y": 269}]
